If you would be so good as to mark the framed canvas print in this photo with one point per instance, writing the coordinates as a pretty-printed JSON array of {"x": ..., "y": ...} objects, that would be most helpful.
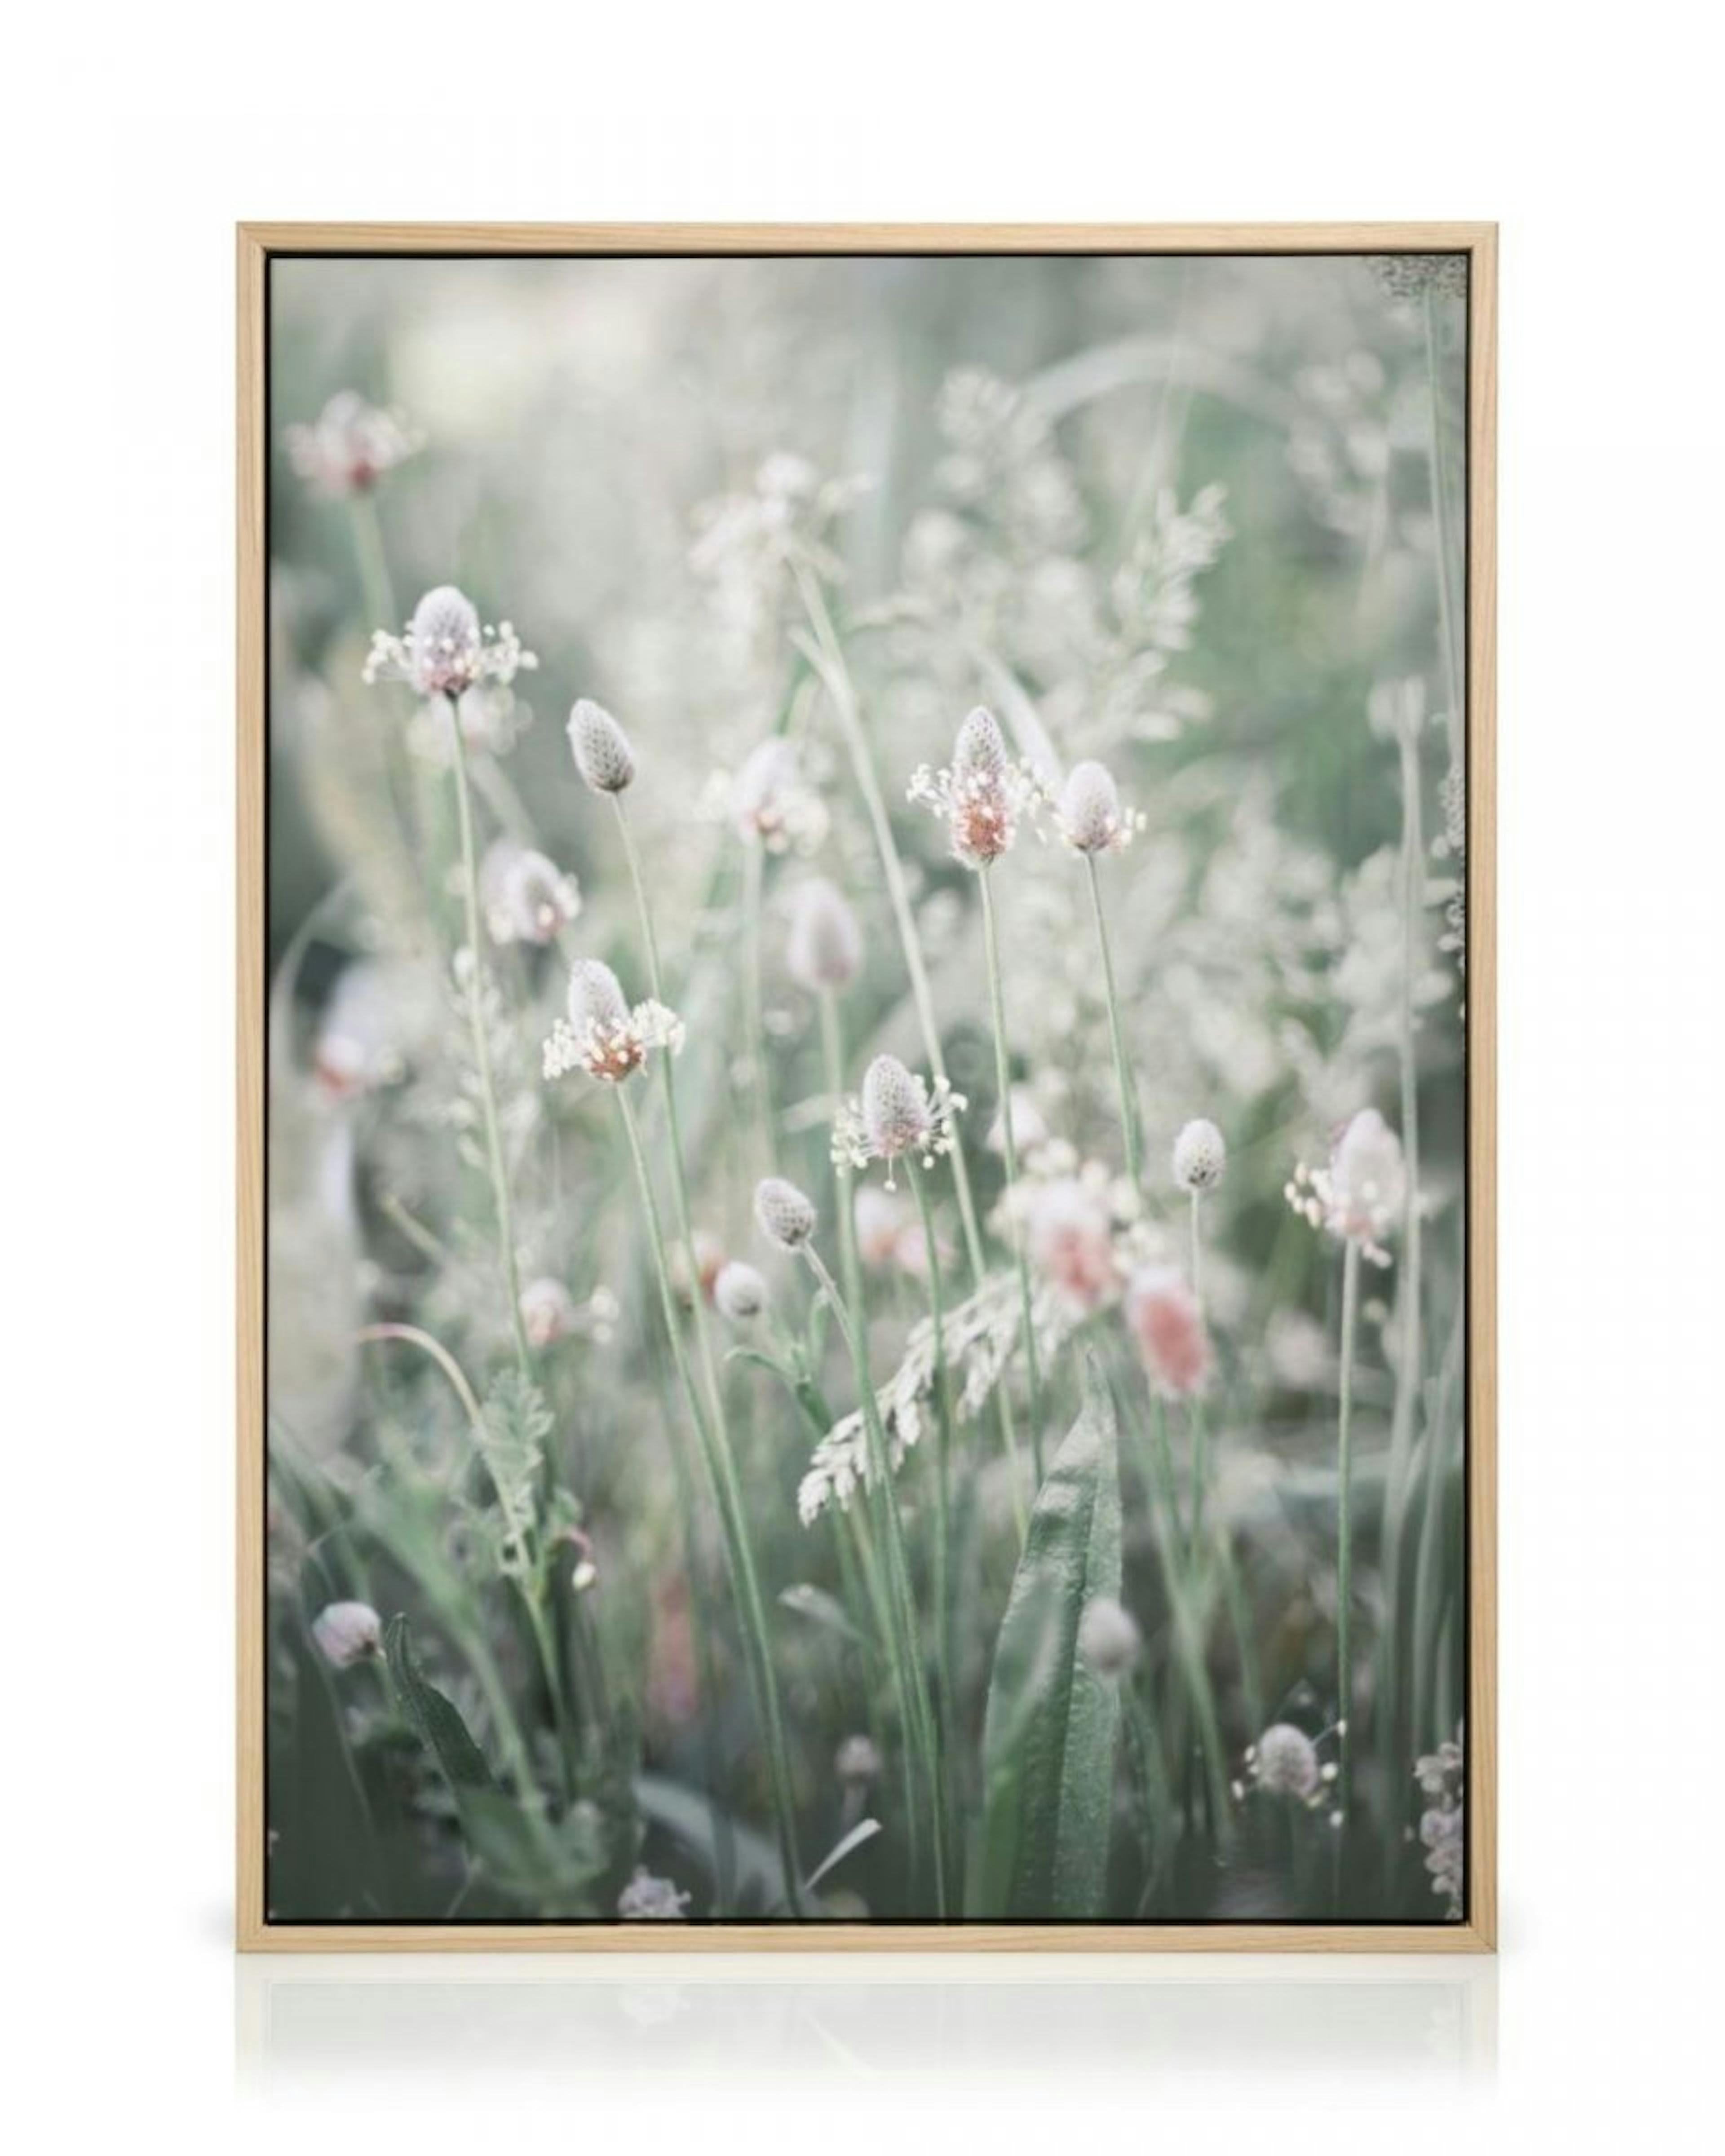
[{"x": 866, "y": 1304}]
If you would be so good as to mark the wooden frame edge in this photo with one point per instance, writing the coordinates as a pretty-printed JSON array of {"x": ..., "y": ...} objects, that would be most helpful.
[{"x": 256, "y": 243}]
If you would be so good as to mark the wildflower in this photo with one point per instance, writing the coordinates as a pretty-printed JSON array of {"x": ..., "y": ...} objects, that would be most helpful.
[
  {"x": 897, "y": 1115},
  {"x": 739, "y": 1292},
  {"x": 1168, "y": 1327},
  {"x": 603, "y": 755},
  {"x": 823, "y": 949},
  {"x": 857, "y": 1760},
  {"x": 648, "y": 1899},
  {"x": 1089, "y": 816},
  {"x": 786, "y": 1216},
  {"x": 1283, "y": 1761},
  {"x": 547, "y": 1311},
  {"x": 772, "y": 805},
  {"x": 1440, "y": 1776},
  {"x": 348, "y": 1632},
  {"x": 1361, "y": 1195},
  {"x": 601, "y": 1035},
  {"x": 350, "y": 445},
  {"x": 1108, "y": 1637},
  {"x": 1200, "y": 1155},
  {"x": 526, "y": 898},
  {"x": 1069, "y": 1240},
  {"x": 446, "y": 652},
  {"x": 982, "y": 796},
  {"x": 709, "y": 1258}
]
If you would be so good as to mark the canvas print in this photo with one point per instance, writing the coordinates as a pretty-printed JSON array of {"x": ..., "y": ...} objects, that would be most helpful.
[{"x": 867, "y": 1107}]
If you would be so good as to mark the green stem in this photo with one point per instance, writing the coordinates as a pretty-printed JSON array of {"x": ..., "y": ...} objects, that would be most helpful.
[
  {"x": 1009, "y": 1144},
  {"x": 374, "y": 578},
  {"x": 1200, "y": 1469},
  {"x": 1122, "y": 1076},
  {"x": 721, "y": 1475},
  {"x": 754, "y": 1022},
  {"x": 832, "y": 1043},
  {"x": 1344, "y": 1539},
  {"x": 917, "y": 1721},
  {"x": 481, "y": 1048},
  {"x": 1442, "y": 523},
  {"x": 941, "y": 1571}
]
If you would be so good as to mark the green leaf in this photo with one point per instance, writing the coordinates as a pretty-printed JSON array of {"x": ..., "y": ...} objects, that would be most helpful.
[
  {"x": 824, "y": 1609},
  {"x": 687, "y": 1815},
  {"x": 435, "y": 1718},
  {"x": 1049, "y": 1734}
]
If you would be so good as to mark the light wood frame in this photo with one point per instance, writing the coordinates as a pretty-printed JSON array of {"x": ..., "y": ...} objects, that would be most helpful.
[{"x": 258, "y": 244}]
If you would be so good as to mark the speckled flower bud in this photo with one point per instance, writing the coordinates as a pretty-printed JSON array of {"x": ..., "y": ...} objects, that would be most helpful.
[
  {"x": 603, "y": 755},
  {"x": 895, "y": 1109},
  {"x": 445, "y": 642},
  {"x": 348, "y": 1632},
  {"x": 980, "y": 749},
  {"x": 823, "y": 949},
  {"x": 595, "y": 997},
  {"x": 1200, "y": 1155},
  {"x": 1091, "y": 817},
  {"x": 739, "y": 1292},
  {"x": 786, "y": 1216}
]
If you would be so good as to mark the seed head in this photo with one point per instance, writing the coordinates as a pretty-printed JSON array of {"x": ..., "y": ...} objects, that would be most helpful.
[
  {"x": 1362, "y": 1195},
  {"x": 979, "y": 749},
  {"x": 772, "y": 805},
  {"x": 603, "y": 755},
  {"x": 350, "y": 445},
  {"x": 1200, "y": 1155},
  {"x": 1089, "y": 815},
  {"x": 739, "y": 1292},
  {"x": 1285, "y": 1762},
  {"x": 982, "y": 796},
  {"x": 823, "y": 948},
  {"x": 857, "y": 1760},
  {"x": 445, "y": 651},
  {"x": 601, "y": 1035},
  {"x": 1108, "y": 1637},
  {"x": 347, "y": 1632},
  {"x": 897, "y": 1115},
  {"x": 1168, "y": 1327},
  {"x": 786, "y": 1216},
  {"x": 526, "y": 898}
]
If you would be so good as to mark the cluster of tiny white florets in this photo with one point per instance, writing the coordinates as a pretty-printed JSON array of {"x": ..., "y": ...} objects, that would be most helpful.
[
  {"x": 444, "y": 651},
  {"x": 982, "y": 796},
  {"x": 824, "y": 944},
  {"x": 1199, "y": 1157},
  {"x": 350, "y": 445},
  {"x": 896, "y": 1114},
  {"x": 1088, "y": 814},
  {"x": 601, "y": 1035},
  {"x": 1284, "y": 1762},
  {"x": 648, "y": 1899},
  {"x": 1361, "y": 1195},
  {"x": 601, "y": 748},
  {"x": 526, "y": 898},
  {"x": 1440, "y": 1776}
]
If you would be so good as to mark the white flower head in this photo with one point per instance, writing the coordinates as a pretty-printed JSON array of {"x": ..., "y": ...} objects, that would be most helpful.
[
  {"x": 823, "y": 946},
  {"x": 1088, "y": 814},
  {"x": 897, "y": 1115},
  {"x": 601, "y": 748},
  {"x": 786, "y": 1215},
  {"x": 548, "y": 1311},
  {"x": 601, "y": 1035},
  {"x": 983, "y": 795},
  {"x": 526, "y": 898},
  {"x": 858, "y": 1759},
  {"x": 348, "y": 1632},
  {"x": 1283, "y": 1761},
  {"x": 1362, "y": 1195},
  {"x": 1200, "y": 1155},
  {"x": 648, "y": 1899},
  {"x": 350, "y": 446},
  {"x": 445, "y": 651},
  {"x": 1108, "y": 1637},
  {"x": 772, "y": 805},
  {"x": 739, "y": 1292}
]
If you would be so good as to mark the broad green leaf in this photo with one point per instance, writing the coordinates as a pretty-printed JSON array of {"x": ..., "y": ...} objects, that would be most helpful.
[
  {"x": 433, "y": 1716},
  {"x": 688, "y": 1815},
  {"x": 1049, "y": 1734}
]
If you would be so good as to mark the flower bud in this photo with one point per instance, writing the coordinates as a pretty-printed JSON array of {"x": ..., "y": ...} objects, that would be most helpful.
[
  {"x": 895, "y": 1109},
  {"x": 786, "y": 1216},
  {"x": 348, "y": 1632},
  {"x": 1285, "y": 1761},
  {"x": 603, "y": 755},
  {"x": 1200, "y": 1155},
  {"x": 1108, "y": 1637},
  {"x": 739, "y": 1292},
  {"x": 1091, "y": 817},
  {"x": 596, "y": 996},
  {"x": 980, "y": 750},
  {"x": 823, "y": 949},
  {"x": 857, "y": 1760},
  {"x": 1169, "y": 1327}
]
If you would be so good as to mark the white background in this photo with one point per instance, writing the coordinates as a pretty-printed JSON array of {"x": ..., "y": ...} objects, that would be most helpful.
[{"x": 134, "y": 141}]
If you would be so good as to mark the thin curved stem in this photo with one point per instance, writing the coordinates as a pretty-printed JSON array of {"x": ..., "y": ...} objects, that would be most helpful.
[
  {"x": 832, "y": 1043},
  {"x": 482, "y": 1051},
  {"x": 754, "y": 1018},
  {"x": 1344, "y": 1542},
  {"x": 941, "y": 1570},
  {"x": 1009, "y": 1144},
  {"x": 1123, "y": 1074}
]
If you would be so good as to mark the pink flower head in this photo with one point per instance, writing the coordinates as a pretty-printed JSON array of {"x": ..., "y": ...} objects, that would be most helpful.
[
  {"x": 1168, "y": 1327},
  {"x": 1070, "y": 1242}
]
